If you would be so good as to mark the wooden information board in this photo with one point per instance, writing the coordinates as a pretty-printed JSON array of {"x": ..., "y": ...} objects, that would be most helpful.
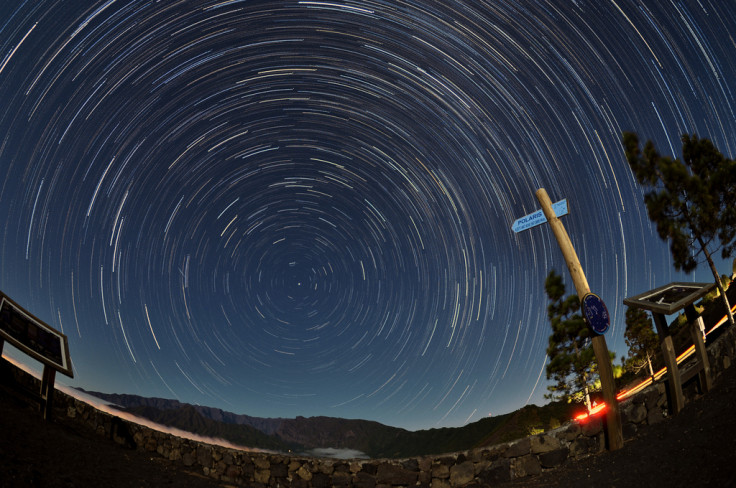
[
  {"x": 38, "y": 340},
  {"x": 667, "y": 300}
]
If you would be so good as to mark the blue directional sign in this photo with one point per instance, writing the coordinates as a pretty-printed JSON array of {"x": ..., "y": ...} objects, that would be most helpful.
[
  {"x": 536, "y": 218},
  {"x": 595, "y": 313}
]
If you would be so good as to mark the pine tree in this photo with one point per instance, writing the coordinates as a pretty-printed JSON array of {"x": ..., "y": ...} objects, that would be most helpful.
[
  {"x": 692, "y": 201},
  {"x": 572, "y": 360},
  {"x": 640, "y": 338}
]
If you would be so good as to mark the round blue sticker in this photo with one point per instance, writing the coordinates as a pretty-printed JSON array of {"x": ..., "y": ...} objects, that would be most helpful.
[{"x": 596, "y": 313}]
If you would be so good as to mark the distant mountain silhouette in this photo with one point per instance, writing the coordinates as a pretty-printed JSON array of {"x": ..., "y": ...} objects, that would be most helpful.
[{"x": 372, "y": 438}]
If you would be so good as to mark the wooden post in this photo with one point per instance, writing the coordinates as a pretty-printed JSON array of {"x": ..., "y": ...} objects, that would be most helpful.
[
  {"x": 614, "y": 435},
  {"x": 674, "y": 383},
  {"x": 47, "y": 391},
  {"x": 706, "y": 380}
]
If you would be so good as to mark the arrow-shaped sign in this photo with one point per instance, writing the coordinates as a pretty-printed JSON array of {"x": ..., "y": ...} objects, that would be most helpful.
[{"x": 536, "y": 218}]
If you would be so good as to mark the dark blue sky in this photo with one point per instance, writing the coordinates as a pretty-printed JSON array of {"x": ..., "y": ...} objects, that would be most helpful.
[{"x": 289, "y": 208}]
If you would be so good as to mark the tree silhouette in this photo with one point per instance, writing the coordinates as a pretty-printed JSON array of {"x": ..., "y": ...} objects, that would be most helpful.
[
  {"x": 572, "y": 360},
  {"x": 692, "y": 201},
  {"x": 640, "y": 338}
]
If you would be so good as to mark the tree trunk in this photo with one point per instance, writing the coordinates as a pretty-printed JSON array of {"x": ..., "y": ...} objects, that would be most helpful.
[
  {"x": 649, "y": 362},
  {"x": 718, "y": 280},
  {"x": 587, "y": 399}
]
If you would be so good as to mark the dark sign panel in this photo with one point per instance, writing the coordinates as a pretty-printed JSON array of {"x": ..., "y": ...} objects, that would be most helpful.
[
  {"x": 596, "y": 313},
  {"x": 670, "y": 298},
  {"x": 33, "y": 337}
]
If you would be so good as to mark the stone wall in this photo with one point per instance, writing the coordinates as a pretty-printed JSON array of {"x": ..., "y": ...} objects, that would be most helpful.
[{"x": 479, "y": 467}]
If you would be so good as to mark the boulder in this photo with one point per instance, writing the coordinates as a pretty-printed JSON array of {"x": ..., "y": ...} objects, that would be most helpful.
[
  {"x": 526, "y": 466},
  {"x": 462, "y": 474},
  {"x": 554, "y": 458},
  {"x": 499, "y": 472},
  {"x": 391, "y": 474},
  {"x": 544, "y": 443},
  {"x": 519, "y": 448}
]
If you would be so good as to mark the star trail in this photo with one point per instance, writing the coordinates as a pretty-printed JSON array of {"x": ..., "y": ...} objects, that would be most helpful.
[{"x": 287, "y": 208}]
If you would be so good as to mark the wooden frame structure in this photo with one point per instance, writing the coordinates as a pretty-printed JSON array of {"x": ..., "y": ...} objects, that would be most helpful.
[
  {"x": 38, "y": 340},
  {"x": 667, "y": 300}
]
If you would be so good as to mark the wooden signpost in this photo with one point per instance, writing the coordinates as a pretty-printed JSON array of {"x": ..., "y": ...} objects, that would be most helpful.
[
  {"x": 597, "y": 312},
  {"x": 38, "y": 340}
]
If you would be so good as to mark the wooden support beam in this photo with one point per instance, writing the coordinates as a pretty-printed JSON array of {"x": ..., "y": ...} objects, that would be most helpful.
[
  {"x": 706, "y": 378},
  {"x": 47, "y": 391},
  {"x": 614, "y": 435},
  {"x": 674, "y": 382}
]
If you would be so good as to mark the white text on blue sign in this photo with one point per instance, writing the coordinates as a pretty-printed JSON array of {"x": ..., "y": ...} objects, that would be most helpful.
[{"x": 537, "y": 218}]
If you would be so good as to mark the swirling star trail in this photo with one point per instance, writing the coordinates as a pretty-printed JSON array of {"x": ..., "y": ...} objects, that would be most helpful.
[{"x": 289, "y": 208}]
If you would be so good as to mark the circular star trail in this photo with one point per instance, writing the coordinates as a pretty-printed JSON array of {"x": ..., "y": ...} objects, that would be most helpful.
[{"x": 289, "y": 208}]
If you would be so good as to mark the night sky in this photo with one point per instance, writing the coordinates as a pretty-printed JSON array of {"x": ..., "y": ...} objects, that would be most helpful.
[{"x": 287, "y": 208}]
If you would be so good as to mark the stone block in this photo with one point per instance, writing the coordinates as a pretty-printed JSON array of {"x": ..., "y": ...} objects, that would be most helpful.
[
  {"x": 321, "y": 480},
  {"x": 204, "y": 456},
  {"x": 395, "y": 475},
  {"x": 482, "y": 465},
  {"x": 233, "y": 472},
  {"x": 364, "y": 480},
  {"x": 544, "y": 443},
  {"x": 262, "y": 462},
  {"x": 341, "y": 468},
  {"x": 425, "y": 464},
  {"x": 440, "y": 471},
  {"x": 499, "y": 472},
  {"x": 248, "y": 468},
  {"x": 279, "y": 470},
  {"x": 494, "y": 452},
  {"x": 187, "y": 458},
  {"x": 638, "y": 414},
  {"x": 571, "y": 432},
  {"x": 583, "y": 446},
  {"x": 554, "y": 458},
  {"x": 220, "y": 467},
  {"x": 304, "y": 473},
  {"x": 326, "y": 467},
  {"x": 149, "y": 446},
  {"x": 655, "y": 416},
  {"x": 262, "y": 476},
  {"x": 462, "y": 474},
  {"x": 525, "y": 466},
  {"x": 425, "y": 478},
  {"x": 592, "y": 426},
  {"x": 341, "y": 479},
  {"x": 650, "y": 397},
  {"x": 438, "y": 483},
  {"x": 519, "y": 448},
  {"x": 299, "y": 483}
]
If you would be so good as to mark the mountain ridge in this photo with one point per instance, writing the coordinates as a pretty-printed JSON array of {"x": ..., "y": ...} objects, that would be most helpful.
[{"x": 303, "y": 434}]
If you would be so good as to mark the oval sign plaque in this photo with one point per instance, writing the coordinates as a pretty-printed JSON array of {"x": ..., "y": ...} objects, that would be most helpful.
[{"x": 596, "y": 313}]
